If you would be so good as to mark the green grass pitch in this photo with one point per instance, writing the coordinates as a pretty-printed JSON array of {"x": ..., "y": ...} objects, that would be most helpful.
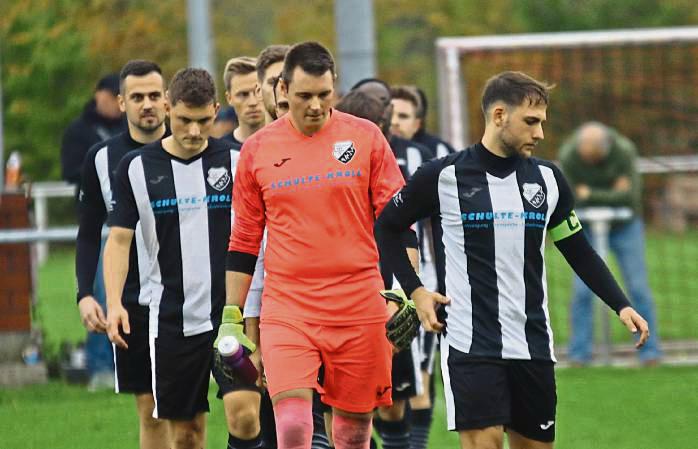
[{"x": 598, "y": 408}]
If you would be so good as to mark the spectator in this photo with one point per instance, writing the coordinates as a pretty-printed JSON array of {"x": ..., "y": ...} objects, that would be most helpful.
[
  {"x": 600, "y": 165},
  {"x": 100, "y": 120}
]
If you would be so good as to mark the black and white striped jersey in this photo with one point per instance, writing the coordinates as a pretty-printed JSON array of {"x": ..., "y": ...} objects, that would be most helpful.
[
  {"x": 231, "y": 139},
  {"x": 493, "y": 214},
  {"x": 184, "y": 210},
  {"x": 409, "y": 155},
  {"x": 439, "y": 147},
  {"x": 430, "y": 253},
  {"x": 95, "y": 202}
]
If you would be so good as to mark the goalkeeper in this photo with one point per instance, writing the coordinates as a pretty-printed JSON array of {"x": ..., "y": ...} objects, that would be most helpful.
[{"x": 316, "y": 178}]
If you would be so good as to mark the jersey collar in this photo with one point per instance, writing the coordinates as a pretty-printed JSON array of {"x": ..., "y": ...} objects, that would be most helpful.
[{"x": 500, "y": 167}]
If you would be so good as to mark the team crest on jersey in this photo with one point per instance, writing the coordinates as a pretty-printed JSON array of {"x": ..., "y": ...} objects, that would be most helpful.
[
  {"x": 534, "y": 194},
  {"x": 344, "y": 151},
  {"x": 218, "y": 178}
]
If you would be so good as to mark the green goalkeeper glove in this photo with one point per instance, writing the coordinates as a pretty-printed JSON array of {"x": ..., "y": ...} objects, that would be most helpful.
[
  {"x": 403, "y": 326},
  {"x": 231, "y": 325}
]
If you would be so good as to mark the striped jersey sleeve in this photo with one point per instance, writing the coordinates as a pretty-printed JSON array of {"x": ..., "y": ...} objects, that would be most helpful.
[
  {"x": 92, "y": 214},
  {"x": 125, "y": 213}
]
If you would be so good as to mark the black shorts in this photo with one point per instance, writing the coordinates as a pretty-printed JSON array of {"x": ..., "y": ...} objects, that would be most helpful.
[
  {"x": 181, "y": 372},
  {"x": 406, "y": 372},
  {"x": 132, "y": 365},
  {"x": 518, "y": 394},
  {"x": 428, "y": 342}
]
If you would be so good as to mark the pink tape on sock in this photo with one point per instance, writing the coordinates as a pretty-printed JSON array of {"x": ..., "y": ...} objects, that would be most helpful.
[
  {"x": 294, "y": 423},
  {"x": 350, "y": 433}
]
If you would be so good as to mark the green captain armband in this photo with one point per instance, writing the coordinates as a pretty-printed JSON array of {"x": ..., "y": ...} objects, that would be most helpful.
[{"x": 569, "y": 226}]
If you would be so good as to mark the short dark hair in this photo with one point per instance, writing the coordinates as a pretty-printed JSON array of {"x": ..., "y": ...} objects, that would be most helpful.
[
  {"x": 276, "y": 84},
  {"x": 406, "y": 93},
  {"x": 422, "y": 112},
  {"x": 363, "y": 81},
  {"x": 137, "y": 67},
  {"x": 311, "y": 57},
  {"x": 513, "y": 88},
  {"x": 242, "y": 65},
  {"x": 270, "y": 55},
  {"x": 195, "y": 87},
  {"x": 378, "y": 85},
  {"x": 109, "y": 83},
  {"x": 361, "y": 104}
]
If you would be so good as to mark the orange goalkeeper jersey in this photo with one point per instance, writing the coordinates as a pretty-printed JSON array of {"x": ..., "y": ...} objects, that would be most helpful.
[{"x": 318, "y": 197}]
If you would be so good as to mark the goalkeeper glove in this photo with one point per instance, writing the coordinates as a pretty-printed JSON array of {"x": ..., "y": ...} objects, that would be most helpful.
[
  {"x": 231, "y": 325},
  {"x": 403, "y": 326}
]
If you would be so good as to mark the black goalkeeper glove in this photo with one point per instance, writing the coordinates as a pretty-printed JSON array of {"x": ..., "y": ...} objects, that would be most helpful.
[{"x": 403, "y": 326}]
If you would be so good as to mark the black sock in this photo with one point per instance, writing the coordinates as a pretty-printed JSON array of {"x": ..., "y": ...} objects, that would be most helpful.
[
  {"x": 267, "y": 422},
  {"x": 237, "y": 443},
  {"x": 395, "y": 434},
  {"x": 320, "y": 440},
  {"x": 419, "y": 433}
]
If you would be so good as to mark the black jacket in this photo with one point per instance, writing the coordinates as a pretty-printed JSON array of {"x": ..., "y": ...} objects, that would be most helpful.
[{"x": 88, "y": 129}]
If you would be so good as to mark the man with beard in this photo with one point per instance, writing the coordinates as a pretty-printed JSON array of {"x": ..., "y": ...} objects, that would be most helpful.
[
  {"x": 142, "y": 98},
  {"x": 495, "y": 204}
]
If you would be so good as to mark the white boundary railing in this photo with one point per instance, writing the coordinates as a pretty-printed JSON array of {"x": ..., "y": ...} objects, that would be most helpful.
[
  {"x": 40, "y": 193},
  {"x": 41, "y": 234}
]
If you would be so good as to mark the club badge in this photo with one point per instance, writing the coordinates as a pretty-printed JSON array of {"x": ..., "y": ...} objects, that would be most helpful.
[
  {"x": 534, "y": 194},
  {"x": 344, "y": 151},
  {"x": 218, "y": 178}
]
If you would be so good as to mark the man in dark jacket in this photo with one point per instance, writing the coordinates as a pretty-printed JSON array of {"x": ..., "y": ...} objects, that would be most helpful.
[{"x": 100, "y": 120}]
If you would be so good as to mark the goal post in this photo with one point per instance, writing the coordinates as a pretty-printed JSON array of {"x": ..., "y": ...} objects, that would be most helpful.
[{"x": 453, "y": 53}]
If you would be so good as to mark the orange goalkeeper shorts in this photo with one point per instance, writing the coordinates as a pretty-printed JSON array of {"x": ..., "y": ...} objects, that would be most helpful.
[{"x": 356, "y": 362}]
